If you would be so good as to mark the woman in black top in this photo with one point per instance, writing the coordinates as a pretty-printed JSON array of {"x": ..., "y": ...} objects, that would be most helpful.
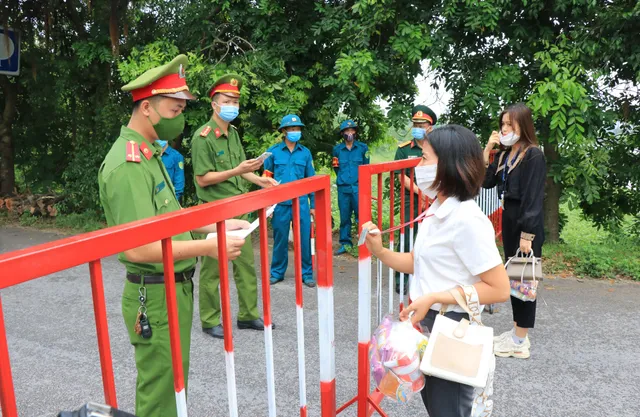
[{"x": 519, "y": 171}]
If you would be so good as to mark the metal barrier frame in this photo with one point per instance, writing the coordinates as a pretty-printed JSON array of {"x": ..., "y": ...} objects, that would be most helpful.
[{"x": 38, "y": 261}]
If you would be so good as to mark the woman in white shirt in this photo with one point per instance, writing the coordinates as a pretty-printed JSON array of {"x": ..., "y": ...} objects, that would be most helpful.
[{"x": 455, "y": 246}]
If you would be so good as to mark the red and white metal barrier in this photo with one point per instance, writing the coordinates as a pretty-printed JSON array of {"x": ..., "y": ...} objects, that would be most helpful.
[{"x": 29, "y": 264}]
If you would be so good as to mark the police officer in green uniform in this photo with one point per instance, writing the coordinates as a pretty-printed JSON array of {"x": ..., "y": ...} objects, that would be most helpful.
[
  {"x": 222, "y": 170},
  {"x": 134, "y": 185},
  {"x": 423, "y": 119}
]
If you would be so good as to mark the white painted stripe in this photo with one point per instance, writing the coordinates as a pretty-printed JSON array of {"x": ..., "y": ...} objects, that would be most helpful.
[
  {"x": 379, "y": 290},
  {"x": 313, "y": 246},
  {"x": 271, "y": 385},
  {"x": 181, "y": 403},
  {"x": 327, "y": 335},
  {"x": 364, "y": 300},
  {"x": 232, "y": 394},
  {"x": 391, "y": 283},
  {"x": 401, "y": 295},
  {"x": 302, "y": 378}
]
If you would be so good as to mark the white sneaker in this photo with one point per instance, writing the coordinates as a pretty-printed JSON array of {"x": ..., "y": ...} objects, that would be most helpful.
[
  {"x": 507, "y": 334},
  {"x": 506, "y": 347}
]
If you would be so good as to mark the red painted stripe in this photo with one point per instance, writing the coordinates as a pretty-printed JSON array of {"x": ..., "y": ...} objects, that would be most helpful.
[
  {"x": 172, "y": 314},
  {"x": 303, "y": 411},
  {"x": 7, "y": 393},
  {"x": 297, "y": 251},
  {"x": 380, "y": 201},
  {"x": 411, "y": 196},
  {"x": 324, "y": 253},
  {"x": 223, "y": 263},
  {"x": 364, "y": 204},
  {"x": 264, "y": 267},
  {"x": 363, "y": 378},
  {"x": 328, "y": 398},
  {"x": 392, "y": 192},
  {"x": 102, "y": 330},
  {"x": 402, "y": 198}
]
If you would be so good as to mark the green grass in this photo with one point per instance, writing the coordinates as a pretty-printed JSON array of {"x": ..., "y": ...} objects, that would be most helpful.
[
  {"x": 587, "y": 251},
  {"x": 65, "y": 223}
]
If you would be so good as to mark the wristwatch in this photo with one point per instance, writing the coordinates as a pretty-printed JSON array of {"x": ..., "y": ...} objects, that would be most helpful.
[{"x": 527, "y": 236}]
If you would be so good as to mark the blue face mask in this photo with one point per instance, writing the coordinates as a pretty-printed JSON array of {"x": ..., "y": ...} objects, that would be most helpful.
[
  {"x": 228, "y": 113},
  {"x": 294, "y": 136},
  {"x": 162, "y": 143},
  {"x": 418, "y": 133}
]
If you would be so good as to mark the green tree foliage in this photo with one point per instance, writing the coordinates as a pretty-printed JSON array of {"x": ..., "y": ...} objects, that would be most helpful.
[{"x": 556, "y": 57}]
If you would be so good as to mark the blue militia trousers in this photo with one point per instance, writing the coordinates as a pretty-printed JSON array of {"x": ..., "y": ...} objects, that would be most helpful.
[
  {"x": 347, "y": 203},
  {"x": 282, "y": 217}
]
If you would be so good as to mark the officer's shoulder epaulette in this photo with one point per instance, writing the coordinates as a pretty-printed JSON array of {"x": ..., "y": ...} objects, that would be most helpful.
[
  {"x": 403, "y": 144},
  {"x": 205, "y": 131},
  {"x": 132, "y": 152}
]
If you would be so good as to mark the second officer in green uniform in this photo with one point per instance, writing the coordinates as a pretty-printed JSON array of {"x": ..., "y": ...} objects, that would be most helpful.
[
  {"x": 221, "y": 170},
  {"x": 134, "y": 185},
  {"x": 423, "y": 119}
]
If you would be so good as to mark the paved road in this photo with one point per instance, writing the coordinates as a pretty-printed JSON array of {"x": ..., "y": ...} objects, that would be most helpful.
[{"x": 585, "y": 355}]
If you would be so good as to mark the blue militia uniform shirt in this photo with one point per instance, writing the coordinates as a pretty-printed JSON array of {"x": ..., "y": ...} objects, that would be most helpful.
[
  {"x": 174, "y": 163},
  {"x": 346, "y": 162},
  {"x": 287, "y": 166}
]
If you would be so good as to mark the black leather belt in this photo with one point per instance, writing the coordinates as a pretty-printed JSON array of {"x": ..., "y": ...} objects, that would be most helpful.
[{"x": 159, "y": 279}]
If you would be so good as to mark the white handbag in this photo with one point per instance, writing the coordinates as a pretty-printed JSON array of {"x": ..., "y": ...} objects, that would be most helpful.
[{"x": 461, "y": 351}]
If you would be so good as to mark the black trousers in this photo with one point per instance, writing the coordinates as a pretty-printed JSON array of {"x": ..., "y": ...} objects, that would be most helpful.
[
  {"x": 444, "y": 398},
  {"x": 524, "y": 312}
]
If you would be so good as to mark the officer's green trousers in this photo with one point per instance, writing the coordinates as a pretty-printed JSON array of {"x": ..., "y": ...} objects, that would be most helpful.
[
  {"x": 155, "y": 394},
  {"x": 244, "y": 273}
]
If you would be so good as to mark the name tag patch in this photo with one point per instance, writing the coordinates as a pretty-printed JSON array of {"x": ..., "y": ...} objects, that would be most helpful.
[{"x": 160, "y": 187}]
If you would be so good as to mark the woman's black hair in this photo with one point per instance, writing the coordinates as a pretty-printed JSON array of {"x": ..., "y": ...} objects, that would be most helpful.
[{"x": 461, "y": 167}]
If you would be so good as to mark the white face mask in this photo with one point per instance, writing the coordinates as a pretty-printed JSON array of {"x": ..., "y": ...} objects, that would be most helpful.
[
  {"x": 509, "y": 139},
  {"x": 425, "y": 175}
]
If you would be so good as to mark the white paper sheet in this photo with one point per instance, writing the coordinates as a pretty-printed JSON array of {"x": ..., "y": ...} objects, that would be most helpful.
[{"x": 243, "y": 233}]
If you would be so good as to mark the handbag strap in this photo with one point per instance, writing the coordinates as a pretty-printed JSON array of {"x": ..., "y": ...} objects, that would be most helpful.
[{"x": 470, "y": 298}]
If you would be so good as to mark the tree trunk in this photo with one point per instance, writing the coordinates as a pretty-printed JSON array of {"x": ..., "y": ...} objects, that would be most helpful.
[
  {"x": 114, "y": 31},
  {"x": 553, "y": 191},
  {"x": 7, "y": 173}
]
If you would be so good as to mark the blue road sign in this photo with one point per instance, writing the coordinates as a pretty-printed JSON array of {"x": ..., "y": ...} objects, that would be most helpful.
[{"x": 9, "y": 52}]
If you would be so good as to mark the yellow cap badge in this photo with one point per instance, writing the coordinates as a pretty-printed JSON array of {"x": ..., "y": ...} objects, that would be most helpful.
[{"x": 234, "y": 82}]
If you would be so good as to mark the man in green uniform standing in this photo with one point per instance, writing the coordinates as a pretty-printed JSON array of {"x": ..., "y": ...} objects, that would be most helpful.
[
  {"x": 134, "y": 185},
  {"x": 423, "y": 119},
  {"x": 221, "y": 170}
]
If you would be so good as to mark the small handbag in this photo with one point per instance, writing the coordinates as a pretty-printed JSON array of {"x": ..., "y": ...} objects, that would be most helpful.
[
  {"x": 516, "y": 267},
  {"x": 460, "y": 351},
  {"x": 525, "y": 285}
]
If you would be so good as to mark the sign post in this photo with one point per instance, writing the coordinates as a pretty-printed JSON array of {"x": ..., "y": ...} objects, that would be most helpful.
[{"x": 9, "y": 52}]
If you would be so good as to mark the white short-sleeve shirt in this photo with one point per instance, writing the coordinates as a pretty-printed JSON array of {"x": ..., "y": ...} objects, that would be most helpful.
[{"x": 453, "y": 247}]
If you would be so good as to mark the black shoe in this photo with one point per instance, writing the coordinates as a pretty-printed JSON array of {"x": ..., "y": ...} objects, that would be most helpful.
[
  {"x": 309, "y": 283},
  {"x": 216, "y": 332},
  {"x": 256, "y": 324}
]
